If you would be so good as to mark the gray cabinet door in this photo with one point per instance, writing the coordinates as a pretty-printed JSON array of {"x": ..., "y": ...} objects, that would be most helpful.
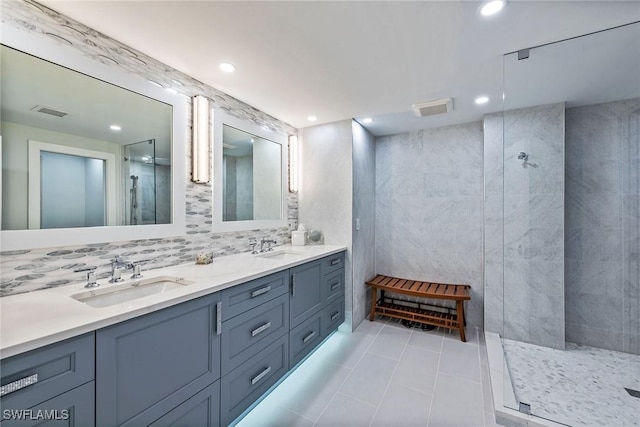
[
  {"x": 149, "y": 365},
  {"x": 201, "y": 410},
  {"x": 245, "y": 384},
  {"x": 59, "y": 367},
  {"x": 73, "y": 408},
  {"x": 306, "y": 292}
]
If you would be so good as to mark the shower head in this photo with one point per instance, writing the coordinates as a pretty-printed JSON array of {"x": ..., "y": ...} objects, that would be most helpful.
[
  {"x": 523, "y": 156},
  {"x": 134, "y": 177}
]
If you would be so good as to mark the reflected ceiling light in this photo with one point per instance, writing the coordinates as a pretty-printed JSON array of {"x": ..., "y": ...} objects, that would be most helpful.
[
  {"x": 492, "y": 7},
  {"x": 200, "y": 150},
  {"x": 293, "y": 164},
  {"x": 312, "y": 118},
  {"x": 154, "y": 83},
  {"x": 227, "y": 67},
  {"x": 367, "y": 120},
  {"x": 115, "y": 128},
  {"x": 178, "y": 82},
  {"x": 481, "y": 100},
  {"x": 171, "y": 90}
]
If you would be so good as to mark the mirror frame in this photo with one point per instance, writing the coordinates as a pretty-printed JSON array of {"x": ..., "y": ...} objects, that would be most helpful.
[
  {"x": 70, "y": 57},
  {"x": 220, "y": 118}
]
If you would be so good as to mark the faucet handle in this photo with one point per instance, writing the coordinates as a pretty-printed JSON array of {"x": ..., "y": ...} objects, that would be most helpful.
[
  {"x": 253, "y": 244},
  {"x": 91, "y": 276}
]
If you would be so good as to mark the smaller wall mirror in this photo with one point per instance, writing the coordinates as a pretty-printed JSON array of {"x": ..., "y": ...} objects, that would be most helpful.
[{"x": 250, "y": 175}]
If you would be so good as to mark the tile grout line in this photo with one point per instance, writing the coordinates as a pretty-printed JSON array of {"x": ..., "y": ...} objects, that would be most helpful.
[
  {"x": 435, "y": 381},
  {"x": 347, "y": 377},
  {"x": 395, "y": 368}
]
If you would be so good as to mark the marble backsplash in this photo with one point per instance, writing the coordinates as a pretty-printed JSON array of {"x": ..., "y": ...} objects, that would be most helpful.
[{"x": 30, "y": 270}]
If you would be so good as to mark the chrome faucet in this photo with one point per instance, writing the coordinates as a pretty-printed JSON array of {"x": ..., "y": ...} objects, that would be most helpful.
[
  {"x": 116, "y": 265},
  {"x": 91, "y": 276},
  {"x": 253, "y": 244},
  {"x": 268, "y": 242},
  {"x": 135, "y": 266}
]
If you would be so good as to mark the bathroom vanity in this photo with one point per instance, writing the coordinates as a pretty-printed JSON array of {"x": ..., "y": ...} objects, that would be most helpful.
[{"x": 197, "y": 355}]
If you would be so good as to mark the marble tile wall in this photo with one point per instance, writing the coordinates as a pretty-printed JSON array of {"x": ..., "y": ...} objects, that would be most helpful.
[
  {"x": 493, "y": 224},
  {"x": 326, "y": 189},
  {"x": 429, "y": 208},
  {"x": 601, "y": 239},
  {"x": 24, "y": 271},
  {"x": 533, "y": 294},
  {"x": 364, "y": 239}
]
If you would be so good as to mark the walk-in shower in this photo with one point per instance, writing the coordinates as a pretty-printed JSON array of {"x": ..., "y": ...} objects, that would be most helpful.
[{"x": 562, "y": 238}]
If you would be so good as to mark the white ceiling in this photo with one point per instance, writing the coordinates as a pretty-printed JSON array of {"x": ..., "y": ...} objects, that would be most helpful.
[{"x": 340, "y": 60}]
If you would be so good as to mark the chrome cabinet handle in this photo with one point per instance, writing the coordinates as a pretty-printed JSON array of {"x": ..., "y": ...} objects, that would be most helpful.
[
  {"x": 260, "y": 291},
  {"x": 18, "y": 384},
  {"x": 335, "y": 315},
  {"x": 335, "y": 286},
  {"x": 261, "y": 329},
  {"x": 219, "y": 318},
  {"x": 293, "y": 285},
  {"x": 261, "y": 375},
  {"x": 309, "y": 336},
  {"x": 335, "y": 261}
]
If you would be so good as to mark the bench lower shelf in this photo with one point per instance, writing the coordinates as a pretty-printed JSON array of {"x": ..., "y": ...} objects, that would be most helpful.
[{"x": 415, "y": 314}]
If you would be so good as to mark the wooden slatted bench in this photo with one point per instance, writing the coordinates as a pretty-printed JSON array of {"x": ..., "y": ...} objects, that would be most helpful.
[{"x": 416, "y": 312}]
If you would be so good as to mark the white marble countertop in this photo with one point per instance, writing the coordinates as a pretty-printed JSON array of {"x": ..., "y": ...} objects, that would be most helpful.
[{"x": 36, "y": 319}]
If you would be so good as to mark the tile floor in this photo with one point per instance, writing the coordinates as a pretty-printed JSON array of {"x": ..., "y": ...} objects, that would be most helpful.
[
  {"x": 384, "y": 374},
  {"x": 581, "y": 386}
]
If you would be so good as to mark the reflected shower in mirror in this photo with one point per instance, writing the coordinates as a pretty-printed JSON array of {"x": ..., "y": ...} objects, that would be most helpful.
[
  {"x": 252, "y": 177},
  {"x": 71, "y": 144}
]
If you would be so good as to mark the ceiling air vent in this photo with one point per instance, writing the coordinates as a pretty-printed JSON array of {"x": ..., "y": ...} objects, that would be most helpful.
[
  {"x": 49, "y": 110},
  {"x": 431, "y": 108}
]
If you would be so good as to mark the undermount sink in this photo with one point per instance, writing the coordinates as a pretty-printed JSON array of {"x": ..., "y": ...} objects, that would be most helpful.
[
  {"x": 280, "y": 254},
  {"x": 117, "y": 294}
]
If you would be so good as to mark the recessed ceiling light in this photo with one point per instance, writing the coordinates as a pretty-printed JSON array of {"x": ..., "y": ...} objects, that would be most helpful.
[
  {"x": 115, "y": 128},
  {"x": 154, "y": 83},
  {"x": 178, "y": 82},
  {"x": 491, "y": 7},
  {"x": 312, "y": 118},
  {"x": 367, "y": 120},
  {"x": 171, "y": 90},
  {"x": 482, "y": 100},
  {"x": 227, "y": 67}
]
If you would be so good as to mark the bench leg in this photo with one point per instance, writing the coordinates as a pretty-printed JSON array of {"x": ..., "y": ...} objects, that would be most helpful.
[
  {"x": 374, "y": 296},
  {"x": 460, "y": 318}
]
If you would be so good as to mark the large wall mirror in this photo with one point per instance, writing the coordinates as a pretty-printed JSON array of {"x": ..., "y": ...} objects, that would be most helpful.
[
  {"x": 249, "y": 175},
  {"x": 89, "y": 154}
]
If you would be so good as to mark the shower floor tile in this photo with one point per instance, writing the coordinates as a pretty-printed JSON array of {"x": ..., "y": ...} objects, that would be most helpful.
[{"x": 579, "y": 386}]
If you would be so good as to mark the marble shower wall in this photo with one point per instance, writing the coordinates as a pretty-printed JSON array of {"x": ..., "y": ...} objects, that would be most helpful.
[
  {"x": 533, "y": 293},
  {"x": 429, "y": 208},
  {"x": 24, "y": 271},
  {"x": 364, "y": 240},
  {"x": 601, "y": 239},
  {"x": 326, "y": 190}
]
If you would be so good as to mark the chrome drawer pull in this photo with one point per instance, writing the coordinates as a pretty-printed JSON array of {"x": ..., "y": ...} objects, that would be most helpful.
[
  {"x": 260, "y": 376},
  {"x": 293, "y": 285},
  {"x": 19, "y": 384},
  {"x": 335, "y": 286},
  {"x": 335, "y": 261},
  {"x": 308, "y": 337},
  {"x": 260, "y": 291},
  {"x": 261, "y": 329},
  {"x": 335, "y": 315},
  {"x": 219, "y": 318}
]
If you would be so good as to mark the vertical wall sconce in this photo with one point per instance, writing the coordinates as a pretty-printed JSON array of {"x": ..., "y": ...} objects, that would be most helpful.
[
  {"x": 200, "y": 154},
  {"x": 293, "y": 164}
]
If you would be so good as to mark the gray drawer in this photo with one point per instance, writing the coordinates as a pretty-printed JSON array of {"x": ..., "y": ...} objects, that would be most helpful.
[
  {"x": 250, "y": 332},
  {"x": 60, "y": 367},
  {"x": 241, "y": 298},
  {"x": 245, "y": 384},
  {"x": 333, "y": 286},
  {"x": 201, "y": 410},
  {"x": 73, "y": 408},
  {"x": 304, "y": 338},
  {"x": 332, "y": 263},
  {"x": 332, "y": 316}
]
